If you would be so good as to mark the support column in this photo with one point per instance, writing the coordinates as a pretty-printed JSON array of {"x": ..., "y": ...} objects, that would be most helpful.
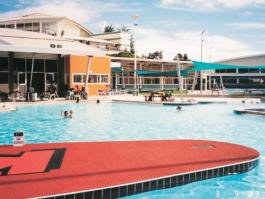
[
  {"x": 60, "y": 76},
  {"x": 11, "y": 70}
]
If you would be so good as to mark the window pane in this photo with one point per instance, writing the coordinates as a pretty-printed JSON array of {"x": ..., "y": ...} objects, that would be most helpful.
[
  {"x": 19, "y": 64},
  {"x": 36, "y": 27},
  {"x": 104, "y": 78},
  {"x": 50, "y": 65},
  {"x": 20, "y": 26},
  {"x": 93, "y": 79},
  {"x": 77, "y": 78},
  {"x": 10, "y": 26},
  {"x": 3, "y": 64},
  {"x": 3, "y": 78},
  {"x": 84, "y": 78},
  {"x": 28, "y": 26}
]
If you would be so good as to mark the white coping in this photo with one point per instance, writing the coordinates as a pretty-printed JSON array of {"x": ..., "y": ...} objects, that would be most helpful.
[
  {"x": 141, "y": 99},
  {"x": 151, "y": 179}
]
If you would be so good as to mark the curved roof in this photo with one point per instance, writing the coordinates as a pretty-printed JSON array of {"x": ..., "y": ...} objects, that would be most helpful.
[
  {"x": 39, "y": 16},
  {"x": 12, "y": 40},
  {"x": 243, "y": 58}
]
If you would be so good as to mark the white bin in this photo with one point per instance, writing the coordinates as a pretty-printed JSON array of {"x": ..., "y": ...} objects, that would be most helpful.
[{"x": 34, "y": 97}]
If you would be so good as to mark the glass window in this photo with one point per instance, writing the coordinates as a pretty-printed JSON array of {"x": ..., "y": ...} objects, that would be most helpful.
[
  {"x": 10, "y": 26},
  {"x": 156, "y": 81},
  {"x": 147, "y": 81},
  {"x": 19, "y": 64},
  {"x": 36, "y": 27},
  {"x": 20, "y": 26},
  {"x": 28, "y": 26},
  {"x": 3, "y": 78},
  {"x": 104, "y": 79},
  {"x": 243, "y": 71},
  {"x": 77, "y": 78},
  {"x": 38, "y": 65},
  {"x": 93, "y": 79},
  {"x": 50, "y": 65},
  {"x": 2, "y": 26},
  {"x": 84, "y": 78},
  {"x": 3, "y": 64}
]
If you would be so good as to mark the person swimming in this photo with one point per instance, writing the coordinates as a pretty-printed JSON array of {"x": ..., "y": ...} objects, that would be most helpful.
[
  {"x": 67, "y": 114},
  {"x": 179, "y": 108}
]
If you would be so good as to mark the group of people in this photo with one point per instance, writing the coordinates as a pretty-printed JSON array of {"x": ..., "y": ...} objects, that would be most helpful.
[
  {"x": 67, "y": 114},
  {"x": 77, "y": 93}
]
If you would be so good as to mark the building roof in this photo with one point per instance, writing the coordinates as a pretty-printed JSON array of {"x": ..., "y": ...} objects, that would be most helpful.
[
  {"x": 242, "y": 57},
  {"x": 160, "y": 61},
  {"x": 12, "y": 40},
  {"x": 39, "y": 16}
]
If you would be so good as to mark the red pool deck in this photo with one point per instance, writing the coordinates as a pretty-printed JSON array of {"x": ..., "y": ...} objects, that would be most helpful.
[{"x": 37, "y": 170}]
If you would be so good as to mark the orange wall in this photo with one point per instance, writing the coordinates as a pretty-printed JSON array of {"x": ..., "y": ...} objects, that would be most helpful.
[{"x": 78, "y": 64}]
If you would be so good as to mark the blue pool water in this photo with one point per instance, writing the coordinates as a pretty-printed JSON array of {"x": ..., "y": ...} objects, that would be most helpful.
[{"x": 117, "y": 121}]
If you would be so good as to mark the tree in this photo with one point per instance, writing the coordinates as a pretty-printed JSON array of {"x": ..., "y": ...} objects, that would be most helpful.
[
  {"x": 109, "y": 28},
  {"x": 155, "y": 55},
  {"x": 181, "y": 57},
  {"x": 123, "y": 54},
  {"x": 132, "y": 49},
  {"x": 123, "y": 28}
]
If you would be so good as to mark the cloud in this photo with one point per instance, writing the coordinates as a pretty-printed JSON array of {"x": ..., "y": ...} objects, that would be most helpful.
[
  {"x": 246, "y": 25},
  {"x": 208, "y": 5},
  {"x": 216, "y": 47},
  {"x": 82, "y": 11}
]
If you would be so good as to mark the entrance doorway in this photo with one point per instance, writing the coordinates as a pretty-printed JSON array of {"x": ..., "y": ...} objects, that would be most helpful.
[
  {"x": 49, "y": 79},
  {"x": 21, "y": 82}
]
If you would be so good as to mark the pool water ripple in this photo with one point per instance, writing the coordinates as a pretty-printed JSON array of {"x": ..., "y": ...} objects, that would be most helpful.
[{"x": 112, "y": 122}]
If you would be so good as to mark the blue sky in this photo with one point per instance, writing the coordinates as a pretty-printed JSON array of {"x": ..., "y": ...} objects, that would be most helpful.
[{"x": 234, "y": 28}]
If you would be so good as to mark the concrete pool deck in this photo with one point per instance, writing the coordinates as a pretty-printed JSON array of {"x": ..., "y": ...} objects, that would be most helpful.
[{"x": 114, "y": 169}]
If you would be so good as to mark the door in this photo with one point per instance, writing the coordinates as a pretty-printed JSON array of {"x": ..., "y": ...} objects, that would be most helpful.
[
  {"x": 22, "y": 82},
  {"x": 49, "y": 79}
]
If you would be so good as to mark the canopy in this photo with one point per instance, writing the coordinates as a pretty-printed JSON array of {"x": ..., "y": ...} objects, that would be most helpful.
[
  {"x": 200, "y": 66},
  {"x": 213, "y": 66},
  {"x": 157, "y": 73}
]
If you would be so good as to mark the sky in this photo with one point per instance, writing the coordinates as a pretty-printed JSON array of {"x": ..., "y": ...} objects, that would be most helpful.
[{"x": 233, "y": 28}]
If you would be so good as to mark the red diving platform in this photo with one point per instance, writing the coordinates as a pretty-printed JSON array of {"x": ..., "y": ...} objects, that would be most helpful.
[{"x": 115, "y": 169}]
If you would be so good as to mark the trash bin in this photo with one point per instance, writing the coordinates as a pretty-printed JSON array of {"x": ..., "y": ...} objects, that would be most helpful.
[
  {"x": 34, "y": 97},
  {"x": 135, "y": 93}
]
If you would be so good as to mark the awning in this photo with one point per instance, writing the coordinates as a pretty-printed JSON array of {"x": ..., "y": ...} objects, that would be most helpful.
[
  {"x": 198, "y": 66},
  {"x": 157, "y": 73}
]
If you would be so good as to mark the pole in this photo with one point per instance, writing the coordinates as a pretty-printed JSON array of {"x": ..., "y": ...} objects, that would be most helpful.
[
  {"x": 201, "y": 73},
  {"x": 87, "y": 73},
  {"x": 135, "y": 18},
  {"x": 162, "y": 78},
  {"x": 32, "y": 68},
  {"x": 135, "y": 68},
  {"x": 179, "y": 80}
]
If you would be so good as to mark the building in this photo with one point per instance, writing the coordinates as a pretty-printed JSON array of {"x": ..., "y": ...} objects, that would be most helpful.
[
  {"x": 149, "y": 75},
  {"x": 35, "y": 60},
  {"x": 63, "y": 27},
  {"x": 247, "y": 78}
]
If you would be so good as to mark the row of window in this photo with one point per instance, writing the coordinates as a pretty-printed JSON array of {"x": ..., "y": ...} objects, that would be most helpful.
[
  {"x": 22, "y": 65},
  {"x": 93, "y": 78},
  {"x": 148, "y": 80},
  {"x": 247, "y": 70},
  {"x": 46, "y": 27}
]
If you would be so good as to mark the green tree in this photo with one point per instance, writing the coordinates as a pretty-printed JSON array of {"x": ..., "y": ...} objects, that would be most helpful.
[
  {"x": 123, "y": 54},
  {"x": 123, "y": 28},
  {"x": 109, "y": 28},
  {"x": 155, "y": 55}
]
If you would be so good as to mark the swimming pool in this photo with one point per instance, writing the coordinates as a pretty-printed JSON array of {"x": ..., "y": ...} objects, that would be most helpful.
[{"x": 117, "y": 121}]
